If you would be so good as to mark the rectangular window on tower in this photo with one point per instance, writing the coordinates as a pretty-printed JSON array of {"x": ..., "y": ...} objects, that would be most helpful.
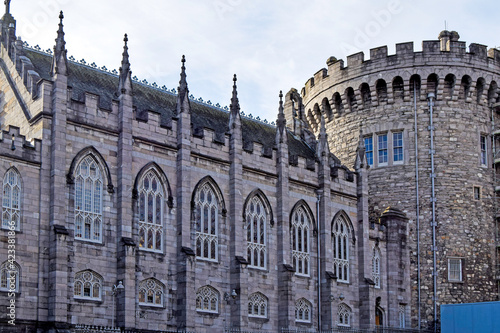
[
  {"x": 397, "y": 145},
  {"x": 382, "y": 149},
  {"x": 369, "y": 150},
  {"x": 455, "y": 270},
  {"x": 484, "y": 150}
]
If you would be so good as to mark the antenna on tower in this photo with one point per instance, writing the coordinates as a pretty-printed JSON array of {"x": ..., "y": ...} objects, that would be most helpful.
[{"x": 445, "y": 27}]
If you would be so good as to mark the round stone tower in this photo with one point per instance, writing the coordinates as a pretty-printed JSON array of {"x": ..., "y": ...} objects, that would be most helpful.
[{"x": 427, "y": 121}]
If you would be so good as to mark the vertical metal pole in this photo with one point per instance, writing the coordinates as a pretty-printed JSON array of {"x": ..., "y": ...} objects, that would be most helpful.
[
  {"x": 431, "y": 96},
  {"x": 319, "y": 261},
  {"x": 417, "y": 202}
]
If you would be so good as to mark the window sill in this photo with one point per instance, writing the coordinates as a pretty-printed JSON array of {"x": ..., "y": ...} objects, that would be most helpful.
[
  {"x": 152, "y": 306},
  {"x": 87, "y": 300},
  {"x": 207, "y": 313},
  {"x": 93, "y": 242},
  {"x": 145, "y": 249}
]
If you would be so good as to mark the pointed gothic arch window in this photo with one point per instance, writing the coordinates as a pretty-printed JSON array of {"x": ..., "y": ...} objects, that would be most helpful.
[
  {"x": 257, "y": 305},
  {"x": 300, "y": 231},
  {"x": 303, "y": 311},
  {"x": 207, "y": 300},
  {"x": 88, "y": 200},
  {"x": 376, "y": 267},
  {"x": 88, "y": 285},
  {"x": 256, "y": 219},
  {"x": 206, "y": 222},
  {"x": 9, "y": 276},
  {"x": 344, "y": 315},
  {"x": 151, "y": 201},
  {"x": 151, "y": 292},
  {"x": 11, "y": 200},
  {"x": 340, "y": 239}
]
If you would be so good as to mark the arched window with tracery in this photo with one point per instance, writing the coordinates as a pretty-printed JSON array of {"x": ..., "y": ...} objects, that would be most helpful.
[
  {"x": 151, "y": 293},
  {"x": 303, "y": 311},
  {"x": 340, "y": 239},
  {"x": 9, "y": 276},
  {"x": 151, "y": 201},
  {"x": 257, "y": 305},
  {"x": 376, "y": 267},
  {"x": 344, "y": 315},
  {"x": 256, "y": 219},
  {"x": 206, "y": 222},
  {"x": 88, "y": 285},
  {"x": 88, "y": 200},
  {"x": 300, "y": 241},
  {"x": 11, "y": 201},
  {"x": 207, "y": 300}
]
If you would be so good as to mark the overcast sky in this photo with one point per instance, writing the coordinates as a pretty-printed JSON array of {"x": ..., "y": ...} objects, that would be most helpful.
[{"x": 270, "y": 45}]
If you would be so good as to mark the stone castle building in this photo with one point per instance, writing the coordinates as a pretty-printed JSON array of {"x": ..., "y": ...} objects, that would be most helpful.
[
  {"x": 128, "y": 205},
  {"x": 429, "y": 123}
]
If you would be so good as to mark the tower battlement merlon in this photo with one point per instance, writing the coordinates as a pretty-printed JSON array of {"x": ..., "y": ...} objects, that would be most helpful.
[{"x": 444, "y": 50}]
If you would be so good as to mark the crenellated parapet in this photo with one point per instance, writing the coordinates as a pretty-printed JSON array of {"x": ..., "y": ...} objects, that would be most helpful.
[
  {"x": 14, "y": 146},
  {"x": 444, "y": 67}
]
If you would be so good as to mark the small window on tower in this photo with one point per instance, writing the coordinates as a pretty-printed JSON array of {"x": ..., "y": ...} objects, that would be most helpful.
[{"x": 477, "y": 193}]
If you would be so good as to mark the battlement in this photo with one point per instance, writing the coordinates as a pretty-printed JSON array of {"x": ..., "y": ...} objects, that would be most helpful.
[
  {"x": 444, "y": 51},
  {"x": 14, "y": 145}
]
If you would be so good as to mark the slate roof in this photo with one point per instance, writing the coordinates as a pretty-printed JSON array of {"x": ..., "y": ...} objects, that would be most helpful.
[{"x": 84, "y": 79}]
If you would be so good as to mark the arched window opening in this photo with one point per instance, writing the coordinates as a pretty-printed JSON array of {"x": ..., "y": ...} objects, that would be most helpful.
[
  {"x": 256, "y": 218},
  {"x": 9, "y": 277},
  {"x": 344, "y": 315},
  {"x": 88, "y": 285},
  {"x": 480, "y": 84},
  {"x": 312, "y": 120},
  {"x": 300, "y": 241},
  {"x": 492, "y": 93},
  {"x": 432, "y": 84},
  {"x": 257, "y": 305},
  {"x": 11, "y": 200},
  {"x": 88, "y": 200},
  {"x": 303, "y": 311},
  {"x": 151, "y": 202},
  {"x": 317, "y": 117},
  {"x": 398, "y": 88},
  {"x": 351, "y": 98},
  {"x": 340, "y": 239},
  {"x": 415, "y": 84},
  {"x": 327, "y": 109},
  {"x": 381, "y": 91},
  {"x": 365, "y": 95},
  {"x": 207, "y": 222},
  {"x": 207, "y": 300},
  {"x": 151, "y": 293},
  {"x": 449, "y": 86},
  {"x": 465, "y": 87},
  {"x": 379, "y": 313},
  {"x": 376, "y": 267},
  {"x": 339, "y": 108}
]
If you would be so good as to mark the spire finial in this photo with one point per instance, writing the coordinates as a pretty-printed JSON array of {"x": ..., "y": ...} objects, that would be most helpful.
[
  {"x": 125, "y": 58},
  {"x": 183, "y": 88},
  {"x": 235, "y": 105},
  {"x": 234, "y": 115},
  {"x": 60, "y": 43},
  {"x": 7, "y": 6},
  {"x": 60, "y": 50},
  {"x": 125, "y": 84},
  {"x": 281, "y": 122}
]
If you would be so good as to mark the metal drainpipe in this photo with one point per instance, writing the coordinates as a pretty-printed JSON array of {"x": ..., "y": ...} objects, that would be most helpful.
[
  {"x": 417, "y": 201},
  {"x": 319, "y": 261},
  {"x": 430, "y": 97}
]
